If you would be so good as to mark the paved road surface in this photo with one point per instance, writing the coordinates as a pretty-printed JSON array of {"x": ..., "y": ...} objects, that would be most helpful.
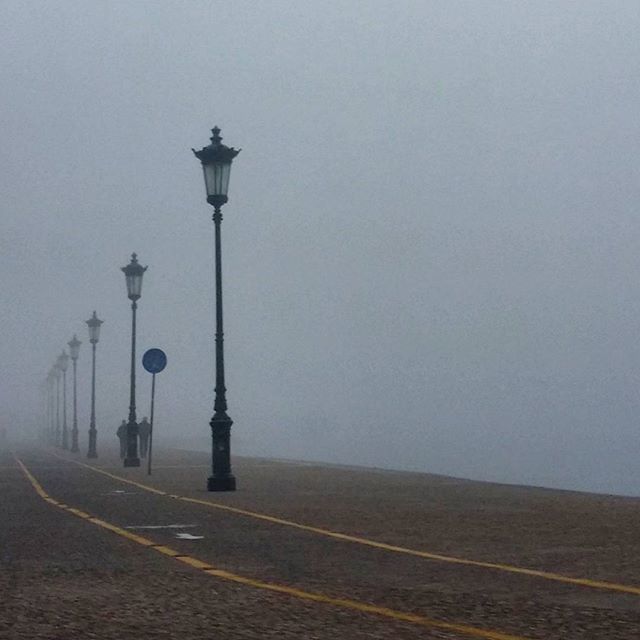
[{"x": 306, "y": 551}]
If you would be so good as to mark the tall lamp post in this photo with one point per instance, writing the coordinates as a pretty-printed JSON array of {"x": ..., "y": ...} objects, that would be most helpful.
[
  {"x": 42, "y": 431},
  {"x": 58, "y": 374},
  {"x": 133, "y": 273},
  {"x": 51, "y": 378},
  {"x": 94, "y": 335},
  {"x": 74, "y": 352},
  {"x": 63, "y": 363},
  {"x": 216, "y": 160},
  {"x": 47, "y": 387}
]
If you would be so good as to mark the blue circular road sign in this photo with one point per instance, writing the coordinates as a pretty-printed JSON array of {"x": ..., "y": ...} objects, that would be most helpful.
[{"x": 154, "y": 360}]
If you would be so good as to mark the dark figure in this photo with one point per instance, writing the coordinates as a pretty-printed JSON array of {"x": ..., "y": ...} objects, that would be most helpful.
[
  {"x": 144, "y": 430},
  {"x": 122, "y": 435}
]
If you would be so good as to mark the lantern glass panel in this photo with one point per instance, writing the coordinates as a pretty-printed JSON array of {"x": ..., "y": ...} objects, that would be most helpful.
[
  {"x": 94, "y": 332},
  {"x": 134, "y": 285},
  {"x": 216, "y": 178}
]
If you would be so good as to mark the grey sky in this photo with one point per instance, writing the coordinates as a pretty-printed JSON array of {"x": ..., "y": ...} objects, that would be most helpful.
[{"x": 430, "y": 252}]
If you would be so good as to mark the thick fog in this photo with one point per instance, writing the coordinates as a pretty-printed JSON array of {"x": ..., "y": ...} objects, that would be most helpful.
[{"x": 430, "y": 251}]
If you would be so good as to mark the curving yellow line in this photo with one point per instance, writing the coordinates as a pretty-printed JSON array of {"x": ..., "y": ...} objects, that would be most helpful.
[
  {"x": 209, "y": 570},
  {"x": 546, "y": 575}
]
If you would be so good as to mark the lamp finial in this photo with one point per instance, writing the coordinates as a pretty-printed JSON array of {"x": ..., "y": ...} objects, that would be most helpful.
[{"x": 216, "y": 139}]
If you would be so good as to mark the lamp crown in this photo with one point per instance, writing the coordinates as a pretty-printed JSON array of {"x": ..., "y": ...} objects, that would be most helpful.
[
  {"x": 134, "y": 268},
  {"x": 216, "y": 151},
  {"x": 94, "y": 321}
]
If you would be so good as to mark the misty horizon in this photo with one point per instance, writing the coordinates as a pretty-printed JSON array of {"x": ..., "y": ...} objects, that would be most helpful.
[{"x": 430, "y": 249}]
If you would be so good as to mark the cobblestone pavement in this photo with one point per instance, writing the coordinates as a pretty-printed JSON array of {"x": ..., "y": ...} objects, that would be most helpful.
[{"x": 63, "y": 577}]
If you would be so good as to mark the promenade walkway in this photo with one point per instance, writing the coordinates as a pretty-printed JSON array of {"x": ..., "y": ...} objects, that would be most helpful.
[{"x": 92, "y": 550}]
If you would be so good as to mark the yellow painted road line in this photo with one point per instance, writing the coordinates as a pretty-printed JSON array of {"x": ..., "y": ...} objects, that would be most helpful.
[
  {"x": 534, "y": 573},
  {"x": 354, "y": 605}
]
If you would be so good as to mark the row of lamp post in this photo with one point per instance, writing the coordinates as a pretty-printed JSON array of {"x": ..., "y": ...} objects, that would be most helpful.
[
  {"x": 59, "y": 436},
  {"x": 216, "y": 159},
  {"x": 56, "y": 434}
]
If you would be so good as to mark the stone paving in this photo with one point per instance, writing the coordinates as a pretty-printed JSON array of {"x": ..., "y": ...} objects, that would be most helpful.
[{"x": 65, "y": 578}]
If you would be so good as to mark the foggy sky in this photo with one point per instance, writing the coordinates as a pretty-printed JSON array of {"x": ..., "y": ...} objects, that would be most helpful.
[{"x": 430, "y": 250}]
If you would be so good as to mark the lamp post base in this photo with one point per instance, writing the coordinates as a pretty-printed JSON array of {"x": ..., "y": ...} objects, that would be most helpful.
[
  {"x": 93, "y": 437},
  {"x": 132, "y": 462},
  {"x": 221, "y": 483}
]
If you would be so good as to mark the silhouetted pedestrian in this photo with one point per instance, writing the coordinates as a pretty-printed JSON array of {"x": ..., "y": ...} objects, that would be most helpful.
[
  {"x": 122, "y": 435},
  {"x": 144, "y": 430}
]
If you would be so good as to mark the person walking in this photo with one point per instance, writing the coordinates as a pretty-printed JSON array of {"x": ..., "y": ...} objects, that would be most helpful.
[
  {"x": 144, "y": 430},
  {"x": 122, "y": 435}
]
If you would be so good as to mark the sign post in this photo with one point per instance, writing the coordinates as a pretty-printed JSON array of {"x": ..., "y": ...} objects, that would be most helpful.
[{"x": 154, "y": 361}]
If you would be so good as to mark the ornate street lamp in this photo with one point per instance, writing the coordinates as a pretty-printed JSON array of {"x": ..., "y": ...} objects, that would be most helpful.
[
  {"x": 47, "y": 428},
  {"x": 133, "y": 273},
  {"x": 63, "y": 363},
  {"x": 51, "y": 381},
  {"x": 94, "y": 335},
  {"x": 46, "y": 397},
  {"x": 216, "y": 160},
  {"x": 58, "y": 374},
  {"x": 74, "y": 352}
]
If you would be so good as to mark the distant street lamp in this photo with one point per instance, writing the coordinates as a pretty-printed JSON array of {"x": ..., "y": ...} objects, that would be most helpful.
[
  {"x": 58, "y": 374},
  {"x": 216, "y": 160},
  {"x": 94, "y": 335},
  {"x": 74, "y": 352},
  {"x": 63, "y": 363},
  {"x": 48, "y": 434},
  {"x": 43, "y": 431},
  {"x": 51, "y": 378},
  {"x": 133, "y": 273}
]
